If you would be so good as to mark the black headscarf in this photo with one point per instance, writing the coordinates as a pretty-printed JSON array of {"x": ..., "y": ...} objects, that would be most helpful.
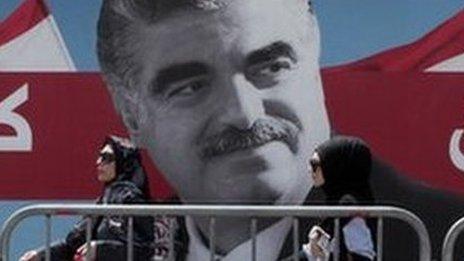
[
  {"x": 346, "y": 166},
  {"x": 128, "y": 164}
]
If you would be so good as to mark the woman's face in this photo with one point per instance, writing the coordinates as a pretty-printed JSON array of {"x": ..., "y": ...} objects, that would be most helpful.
[
  {"x": 316, "y": 170},
  {"x": 106, "y": 165}
]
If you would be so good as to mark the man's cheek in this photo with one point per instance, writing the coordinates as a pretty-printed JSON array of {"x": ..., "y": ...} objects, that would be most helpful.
[{"x": 297, "y": 100}]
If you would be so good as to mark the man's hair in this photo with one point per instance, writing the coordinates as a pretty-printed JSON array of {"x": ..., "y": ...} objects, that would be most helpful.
[{"x": 118, "y": 21}]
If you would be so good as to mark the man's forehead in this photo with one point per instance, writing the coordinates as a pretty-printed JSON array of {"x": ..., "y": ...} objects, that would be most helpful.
[
  {"x": 239, "y": 27},
  {"x": 254, "y": 17}
]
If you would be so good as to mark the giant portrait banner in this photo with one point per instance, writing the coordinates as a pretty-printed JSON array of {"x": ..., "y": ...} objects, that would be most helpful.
[
  {"x": 229, "y": 106},
  {"x": 405, "y": 102}
]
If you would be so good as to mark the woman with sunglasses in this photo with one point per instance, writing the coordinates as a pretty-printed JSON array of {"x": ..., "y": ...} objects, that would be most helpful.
[
  {"x": 124, "y": 181},
  {"x": 341, "y": 167}
]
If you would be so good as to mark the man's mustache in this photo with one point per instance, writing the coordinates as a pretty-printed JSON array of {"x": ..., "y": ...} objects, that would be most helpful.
[{"x": 261, "y": 132}]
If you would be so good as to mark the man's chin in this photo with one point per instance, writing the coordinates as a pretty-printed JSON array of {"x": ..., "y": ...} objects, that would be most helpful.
[{"x": 258, "y": 176}]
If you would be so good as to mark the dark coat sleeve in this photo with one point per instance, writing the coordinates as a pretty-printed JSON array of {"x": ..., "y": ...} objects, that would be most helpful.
[
  {"x": 65, "y": 249},
  {"x": 110, "y": 232}
]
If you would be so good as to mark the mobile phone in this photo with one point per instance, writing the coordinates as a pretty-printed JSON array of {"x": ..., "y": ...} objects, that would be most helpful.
[{"x": 321, "y": 237}]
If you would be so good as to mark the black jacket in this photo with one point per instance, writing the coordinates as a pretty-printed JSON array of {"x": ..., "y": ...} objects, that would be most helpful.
[
  {"x": 110, "y": 231},
  {"x": 129, "y": 187}
]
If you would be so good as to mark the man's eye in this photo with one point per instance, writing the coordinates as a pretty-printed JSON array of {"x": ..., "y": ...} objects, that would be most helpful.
[
  {"x": 186, "y": 88},
  {"x": 272, "y": 71},
  {"x": 274, "y": 68}
]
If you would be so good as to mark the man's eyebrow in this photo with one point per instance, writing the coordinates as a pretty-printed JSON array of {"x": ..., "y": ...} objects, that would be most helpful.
[
  {"x": 178, "y": 72},
  {"x": 271, "y": 52}
]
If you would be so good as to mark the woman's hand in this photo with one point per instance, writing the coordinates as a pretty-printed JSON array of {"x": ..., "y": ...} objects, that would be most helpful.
[
  {"x": 316, "y": 250},
  {"x": 30, "y": 256},
  {"x": 82, "y": 251},
  {"x": 318, "y": 245}
]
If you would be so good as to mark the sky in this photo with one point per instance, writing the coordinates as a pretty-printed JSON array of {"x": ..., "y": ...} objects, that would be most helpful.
[{"x": 350, "y": 29}]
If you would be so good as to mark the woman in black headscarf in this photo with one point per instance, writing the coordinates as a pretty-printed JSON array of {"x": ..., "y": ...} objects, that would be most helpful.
[
  {"x": 341, "y": 167},
  {"x": 124, "y": 181}
]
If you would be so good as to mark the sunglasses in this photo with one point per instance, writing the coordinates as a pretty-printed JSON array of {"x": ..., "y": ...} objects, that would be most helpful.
[
  {"x": 315, "y": 163},
  {"x": 106, "y": 157}
]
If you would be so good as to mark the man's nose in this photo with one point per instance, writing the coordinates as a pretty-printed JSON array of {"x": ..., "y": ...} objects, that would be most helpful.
[{"x": 243, "y": 104}]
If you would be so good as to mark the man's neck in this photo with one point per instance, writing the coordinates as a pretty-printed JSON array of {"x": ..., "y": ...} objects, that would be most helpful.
[{"x": 231, "y": 232}]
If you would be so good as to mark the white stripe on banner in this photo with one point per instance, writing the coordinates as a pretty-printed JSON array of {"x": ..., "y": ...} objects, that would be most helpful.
[
  {"x": 454, "y": 64},
  {"x": 39, "y": 49}
]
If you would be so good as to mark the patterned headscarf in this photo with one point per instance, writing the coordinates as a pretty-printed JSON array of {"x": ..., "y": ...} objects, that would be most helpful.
[{"x": 128, "y": 163}]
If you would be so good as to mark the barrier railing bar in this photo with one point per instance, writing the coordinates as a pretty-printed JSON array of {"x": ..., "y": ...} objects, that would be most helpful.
[
  {"x": 254, "y": 225},
  {"x": 171, "y": 237},
  {"x": 379, "y": 239},
  {"x": 336, "y": 239},
  {"x": 296, "y": 239},
  {"x": 212, "y": 238},
  {"x": 218, "y": 210},
  {"x": 447, "y": 253},
  {"x": 130, "y": 240},
  {"x": 48, "y": 236},
  {"x": 88, "y": 237}
]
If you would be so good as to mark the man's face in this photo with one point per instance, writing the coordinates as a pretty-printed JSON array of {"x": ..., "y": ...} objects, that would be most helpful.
[{"x": 231, "y": 103}]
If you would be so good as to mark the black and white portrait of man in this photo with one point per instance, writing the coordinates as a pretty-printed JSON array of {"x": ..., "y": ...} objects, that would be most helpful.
[{"x": 226, "y": 96}]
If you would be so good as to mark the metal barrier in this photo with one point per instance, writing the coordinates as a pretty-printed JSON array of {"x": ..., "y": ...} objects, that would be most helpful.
[
  {"x": 214, "y": 212},
  {"x": 450, "y": 240}
]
